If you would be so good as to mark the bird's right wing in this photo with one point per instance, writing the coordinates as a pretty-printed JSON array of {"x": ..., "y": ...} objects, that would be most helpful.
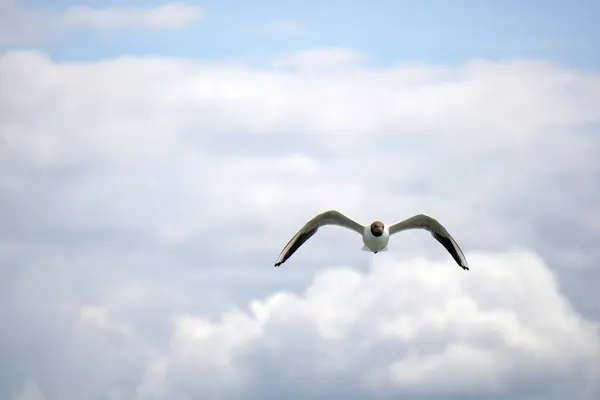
[{"x": 331, "y": 217}]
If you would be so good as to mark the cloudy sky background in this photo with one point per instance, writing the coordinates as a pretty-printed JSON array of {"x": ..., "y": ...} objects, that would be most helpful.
[{"x": 156, "y": 157}]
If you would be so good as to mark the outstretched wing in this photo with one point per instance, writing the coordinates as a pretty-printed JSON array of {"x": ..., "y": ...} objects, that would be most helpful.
[
  {"x": 331, "y": 217},
  {"x": 422, "y": 221}
]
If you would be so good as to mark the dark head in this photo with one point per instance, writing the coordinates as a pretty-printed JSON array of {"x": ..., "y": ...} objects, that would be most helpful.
[{"x": 377, "y": 228}]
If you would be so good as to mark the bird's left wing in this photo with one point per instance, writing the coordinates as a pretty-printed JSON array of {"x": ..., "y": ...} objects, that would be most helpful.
[
  {"x": 422, "y": 221},
  {"x": 331, "y": 217}
]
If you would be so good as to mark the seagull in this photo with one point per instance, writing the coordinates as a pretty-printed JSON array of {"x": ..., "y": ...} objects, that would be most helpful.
[{"x": 376, "y": 236}]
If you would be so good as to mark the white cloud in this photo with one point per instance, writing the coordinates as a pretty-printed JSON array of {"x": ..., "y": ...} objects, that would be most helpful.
[
  {"x": 119, "y": 173},
  {"x": 412, "y": 327},
  {"x": 316, "y": 60},
  {"x": 174, "y": 15},
  {"x": 20, "y": 24}
]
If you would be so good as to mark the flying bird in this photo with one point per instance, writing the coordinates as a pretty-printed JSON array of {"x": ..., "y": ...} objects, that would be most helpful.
[{"x": 376, "y": 236}]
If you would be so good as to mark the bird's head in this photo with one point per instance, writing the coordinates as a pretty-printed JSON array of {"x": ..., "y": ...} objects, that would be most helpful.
[{"x": 377, "y": 228}]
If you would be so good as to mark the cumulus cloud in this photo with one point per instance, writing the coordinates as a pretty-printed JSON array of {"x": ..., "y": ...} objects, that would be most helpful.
[
  {"x": 121, "y": 276},
  {"x": 20, "y": 24},
  {"x": 412, "y": 328}
]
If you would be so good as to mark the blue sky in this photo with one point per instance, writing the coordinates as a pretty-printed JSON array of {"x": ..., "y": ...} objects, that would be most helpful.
[{"x": 440, "y": 32}]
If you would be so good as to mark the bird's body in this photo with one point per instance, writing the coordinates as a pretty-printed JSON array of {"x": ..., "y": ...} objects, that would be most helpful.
[
  {"x": 375, "y": 243},
  {"x": 375, "y": 236}
]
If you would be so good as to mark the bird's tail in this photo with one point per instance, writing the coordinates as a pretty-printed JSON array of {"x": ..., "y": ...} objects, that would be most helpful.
[{"x": 365, "y": 248}]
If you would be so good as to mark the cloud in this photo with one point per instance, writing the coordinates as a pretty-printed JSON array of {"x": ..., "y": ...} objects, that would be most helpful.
[
  {"x": 412, "y": 328},
  {"x": 174, "y": 15},
  {"x": 121, "y": 277},
  {"x": 20, "y": 24},
  {"x": 29, "y": 391},
  {"x": 319, "y": 59}
]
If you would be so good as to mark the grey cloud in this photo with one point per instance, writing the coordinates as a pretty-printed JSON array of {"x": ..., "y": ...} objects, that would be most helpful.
[{"x": 119, "y": 174}]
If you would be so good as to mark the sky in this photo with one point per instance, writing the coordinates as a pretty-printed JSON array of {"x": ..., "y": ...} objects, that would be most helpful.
[{"x": 156, "y": 157}]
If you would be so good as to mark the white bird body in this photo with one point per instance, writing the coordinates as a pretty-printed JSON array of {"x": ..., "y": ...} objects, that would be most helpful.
[
  {"x": 375, "y": 236},
  {"x": 375, "y": 243}
]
